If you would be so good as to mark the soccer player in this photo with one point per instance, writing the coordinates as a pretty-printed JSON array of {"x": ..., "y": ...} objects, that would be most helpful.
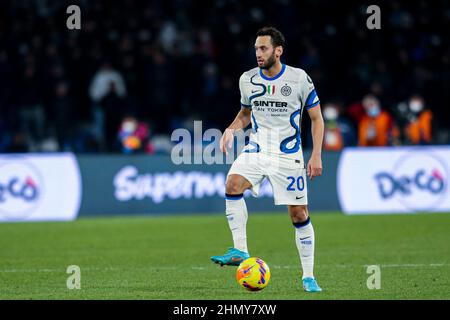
[{"x": 273, "y": 98}]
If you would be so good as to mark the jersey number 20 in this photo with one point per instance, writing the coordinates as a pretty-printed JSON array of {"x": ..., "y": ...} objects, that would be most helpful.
[{"x": 300, "y": 183}]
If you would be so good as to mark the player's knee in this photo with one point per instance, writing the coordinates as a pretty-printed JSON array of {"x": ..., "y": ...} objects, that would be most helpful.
[
  {"x": 298, "y": 213},
  {"x": 233, "y": 186}
]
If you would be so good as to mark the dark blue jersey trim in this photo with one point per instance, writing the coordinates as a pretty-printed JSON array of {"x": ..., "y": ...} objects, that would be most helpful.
[{"x": 275, "y": 77}]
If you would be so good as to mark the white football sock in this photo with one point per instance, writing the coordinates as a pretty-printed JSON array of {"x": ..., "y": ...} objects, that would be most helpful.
[
  {"x": 236, "y": 212},
  {"x": 304, "y": 239}
]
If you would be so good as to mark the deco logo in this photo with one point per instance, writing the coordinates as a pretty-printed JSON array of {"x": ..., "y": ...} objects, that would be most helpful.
[{"x": 21, "y": 189}]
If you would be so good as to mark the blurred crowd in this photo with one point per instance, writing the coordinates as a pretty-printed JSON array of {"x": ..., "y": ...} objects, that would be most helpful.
[
  {"x": 137, "y": 70},
  {"x": 367, "y": 124}
]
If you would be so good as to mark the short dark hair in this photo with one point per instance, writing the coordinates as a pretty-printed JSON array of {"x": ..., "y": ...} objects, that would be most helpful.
[{"x": 276, "y": 36}]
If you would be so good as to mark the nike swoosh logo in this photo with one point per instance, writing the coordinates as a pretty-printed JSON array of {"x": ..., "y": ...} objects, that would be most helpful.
[
  {"x": 253, "y": 91},
  {"x": 236, "y": 259},
  {"x": 305, "y": 238},
  {"x": 299, "y": 197}
]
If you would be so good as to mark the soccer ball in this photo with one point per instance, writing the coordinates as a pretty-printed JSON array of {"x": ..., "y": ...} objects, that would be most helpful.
[{"x": 253, "y": 274}]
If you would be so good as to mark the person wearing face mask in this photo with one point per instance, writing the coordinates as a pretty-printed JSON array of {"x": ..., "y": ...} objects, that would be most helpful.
[
  {"x": 376, "y": 128},
  {"x": 338, "y": 132},
  {"x": 134, "y": 136},
  {"x": 418, "y": 130}
]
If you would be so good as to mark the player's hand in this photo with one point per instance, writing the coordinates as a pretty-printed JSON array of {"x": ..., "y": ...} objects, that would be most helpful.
[
  {"x": 314, "y": 166},
  {"x": 227, "y": 140}
]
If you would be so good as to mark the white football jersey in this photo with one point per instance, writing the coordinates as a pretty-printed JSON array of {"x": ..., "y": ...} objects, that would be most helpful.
[{"x": 277, "y": 105}]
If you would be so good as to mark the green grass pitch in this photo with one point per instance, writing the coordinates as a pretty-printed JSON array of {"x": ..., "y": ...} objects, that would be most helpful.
[{"x": 168, "y": 257}]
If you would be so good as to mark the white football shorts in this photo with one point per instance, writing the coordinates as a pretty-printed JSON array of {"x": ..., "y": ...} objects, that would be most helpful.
[{"x": 287, "y": 176}]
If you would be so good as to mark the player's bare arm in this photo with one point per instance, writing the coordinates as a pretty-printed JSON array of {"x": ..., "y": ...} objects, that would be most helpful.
[
  {"x": 314, "y": 168},
  {"x": 241, "y": 121}
]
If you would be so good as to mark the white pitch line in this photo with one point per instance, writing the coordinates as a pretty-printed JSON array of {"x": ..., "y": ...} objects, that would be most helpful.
[
  {"x": 29, "y": 270},
  {"x": 97, "y": 269},
  {"x": 52, "y": 270},
  {"x": 411, "y": 265},
  {"x": 198, "y": 268},
  {"x": 406, "y": 265}
]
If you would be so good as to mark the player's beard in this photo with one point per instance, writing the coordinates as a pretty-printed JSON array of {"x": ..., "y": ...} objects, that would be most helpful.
[{"x": 270, "y": 62}]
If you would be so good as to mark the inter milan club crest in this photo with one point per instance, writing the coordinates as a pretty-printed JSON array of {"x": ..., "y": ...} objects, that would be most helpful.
[{"x": 286, "y": 90}]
